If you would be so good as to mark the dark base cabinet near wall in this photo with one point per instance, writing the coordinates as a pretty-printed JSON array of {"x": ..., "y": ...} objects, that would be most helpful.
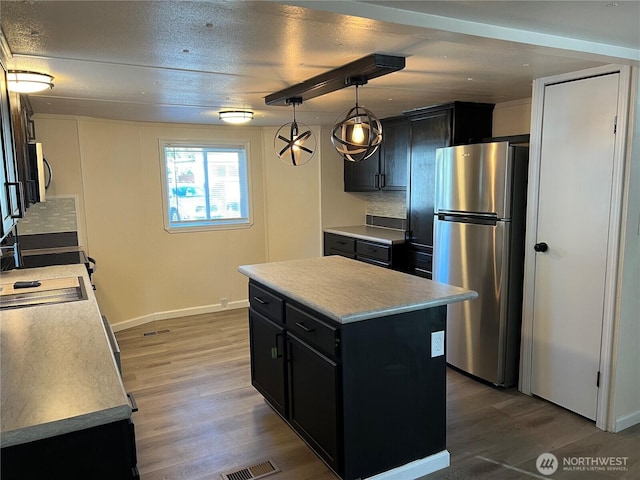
[
  {"x": 354, "y": 392},
  {"x": 375, "y": 253},
  {"x": 105, "y": 452},
  {"x": 455, "y": 123}
]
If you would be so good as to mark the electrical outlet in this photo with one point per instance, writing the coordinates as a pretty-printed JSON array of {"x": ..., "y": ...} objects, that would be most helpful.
[
  {"x": 224, "y": 301},
  {"x": 437, "y": 344}
]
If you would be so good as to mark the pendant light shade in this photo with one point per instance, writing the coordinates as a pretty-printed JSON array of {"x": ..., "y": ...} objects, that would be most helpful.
[
  {"x": 294, "y": 143},
  {"x": 357, "y": 133},
  {"x": 22, "y": 81}
]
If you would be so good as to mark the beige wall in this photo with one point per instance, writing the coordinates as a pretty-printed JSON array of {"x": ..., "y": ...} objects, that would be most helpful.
[
  {"x": 512, "y": 118},
  {"x": 294, "y": 229},
  {"x": 339, "y": 208},
  {"x": 143, "y": 271}
]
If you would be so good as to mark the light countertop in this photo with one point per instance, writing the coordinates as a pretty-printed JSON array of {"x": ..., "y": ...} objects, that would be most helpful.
[
  {"x": 367, "y": 232},
  {"x": 347, "y": 290},
  {"x": 58, "y": 373}
]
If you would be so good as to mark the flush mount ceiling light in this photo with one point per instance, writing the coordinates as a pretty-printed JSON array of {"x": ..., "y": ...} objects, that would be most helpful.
[
  {"x": 357, "y": 133},
  {"x": 294, "y": 143},
  {"x": 22, "y": 81},
  {"x": 236, "y": 116}
]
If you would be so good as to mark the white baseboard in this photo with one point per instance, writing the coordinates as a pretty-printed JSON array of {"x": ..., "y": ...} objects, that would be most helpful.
[
  {"x": 627, "y": 421},
  {"x": 183, "y": 312},
  {"x": 417, "y": 468}
]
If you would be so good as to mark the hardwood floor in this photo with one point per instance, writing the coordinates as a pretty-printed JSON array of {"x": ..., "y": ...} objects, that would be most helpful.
[{"x": 200, "y": 417}]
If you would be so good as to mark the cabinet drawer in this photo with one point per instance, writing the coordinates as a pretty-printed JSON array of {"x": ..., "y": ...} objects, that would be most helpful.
[
  {"x": 421, "y": 261},
  {"x": 313, "y": 330},
  {"x": 266, "y": 302},
  {"x": 339, "y": 243},
  {"x": 374, "y": 250},
  {"x": 338, "y": 252}
]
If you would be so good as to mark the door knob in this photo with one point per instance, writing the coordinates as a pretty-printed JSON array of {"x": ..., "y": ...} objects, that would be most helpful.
[{"x": 541, "y": 247}]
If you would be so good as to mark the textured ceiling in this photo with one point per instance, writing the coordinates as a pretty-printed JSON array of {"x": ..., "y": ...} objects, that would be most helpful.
[{"x": 174, "y": 61}]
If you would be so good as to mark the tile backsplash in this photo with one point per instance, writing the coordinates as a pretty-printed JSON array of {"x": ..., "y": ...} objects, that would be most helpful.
[
  {"x": 57, "y": 214},
  {"x": 387, "y": 204}
]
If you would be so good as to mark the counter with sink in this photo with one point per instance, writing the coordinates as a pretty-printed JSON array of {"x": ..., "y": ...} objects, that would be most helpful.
[
  {"x": 63, "y": 406},
  {"x": 351, "y": 356}
]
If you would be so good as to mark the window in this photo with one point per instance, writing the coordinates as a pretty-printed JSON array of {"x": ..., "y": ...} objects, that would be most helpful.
[{"x": 205, "y": 186}]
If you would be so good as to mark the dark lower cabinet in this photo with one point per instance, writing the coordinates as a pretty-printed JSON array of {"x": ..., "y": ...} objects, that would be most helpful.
[
  {"x": 267, "y": 347},
  {"x": 366, "y": 396},
  {"x": 384, "y": 255},
  {"x": 313, "y": 388},
  {"x": 105, "y": 452}
]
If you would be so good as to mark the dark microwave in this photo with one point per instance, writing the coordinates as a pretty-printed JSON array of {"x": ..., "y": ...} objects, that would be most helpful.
[{"x": 38, "y": 174}]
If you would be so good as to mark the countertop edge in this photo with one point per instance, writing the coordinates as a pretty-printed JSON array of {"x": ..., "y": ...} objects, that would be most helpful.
[
  {"x": 65, "y": 425},
  {"x": 363, "y": 315},
  {"x": 370, "y": 238}
]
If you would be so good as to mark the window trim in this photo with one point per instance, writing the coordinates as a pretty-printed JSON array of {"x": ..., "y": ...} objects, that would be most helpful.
[{"x": 230, "y": 224}]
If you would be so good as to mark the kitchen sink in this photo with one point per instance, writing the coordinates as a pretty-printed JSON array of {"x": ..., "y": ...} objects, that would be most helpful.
[{"x": 49, "y": 291}]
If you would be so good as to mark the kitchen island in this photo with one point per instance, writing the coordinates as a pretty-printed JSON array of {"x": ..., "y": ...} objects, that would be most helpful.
[
  {"x": 64, "y": 412},
  {"x": 351, "y": 356}
]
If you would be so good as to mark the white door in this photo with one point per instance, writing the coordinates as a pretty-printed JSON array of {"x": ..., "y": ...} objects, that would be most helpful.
[{"x": 576, "y": 175}]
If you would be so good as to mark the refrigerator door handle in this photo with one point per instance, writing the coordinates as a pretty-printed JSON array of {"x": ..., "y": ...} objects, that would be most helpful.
[{"x": 479, "y": 218}]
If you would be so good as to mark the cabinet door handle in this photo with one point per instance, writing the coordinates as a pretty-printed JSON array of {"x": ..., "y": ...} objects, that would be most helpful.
[
  {"x": 276, "y": 351},
  {"x": 304, "y": 327},
  {"x": 383, "y": 180},
  {"x": 259, "y": 300}
]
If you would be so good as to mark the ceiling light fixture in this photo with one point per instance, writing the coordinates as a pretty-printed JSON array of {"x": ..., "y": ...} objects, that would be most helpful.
[
  {"x": 23, "y": 81},
  {"x": 294, "y": 143},
  {"x": 357, "y": 133},
  {"x": 236, "y": 116}
]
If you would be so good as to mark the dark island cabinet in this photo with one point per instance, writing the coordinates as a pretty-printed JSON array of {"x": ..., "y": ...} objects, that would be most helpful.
[
  {"x": 267, "y": 360},
  {"x": 455, "y": 123},
  {"x": 267, "y": 346},
  {"x": 314, "y": 387},
  {"x": 387, "y": 168},
  {"x": 366, "y": 396}
]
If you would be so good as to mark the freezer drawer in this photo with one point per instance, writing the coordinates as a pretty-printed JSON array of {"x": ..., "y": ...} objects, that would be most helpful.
[{"x": 475, "y": 256}]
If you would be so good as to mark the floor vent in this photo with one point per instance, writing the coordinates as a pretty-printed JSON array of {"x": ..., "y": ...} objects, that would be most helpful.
[
  {"x": 258, "y": 470},
  {"x": 155, "y": 332}
]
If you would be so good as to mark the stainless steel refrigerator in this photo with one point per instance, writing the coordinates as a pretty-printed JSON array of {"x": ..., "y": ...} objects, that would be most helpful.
[{"x": 480, "y": 197}]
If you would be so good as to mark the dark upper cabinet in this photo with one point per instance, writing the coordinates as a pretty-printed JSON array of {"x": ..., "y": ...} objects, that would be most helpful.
[
  {"x": 455, "y": 123},
  {"x": 23, "y": 135},
  {"x": 11, "y": 198},
  {"x": 387, "y": 168}
]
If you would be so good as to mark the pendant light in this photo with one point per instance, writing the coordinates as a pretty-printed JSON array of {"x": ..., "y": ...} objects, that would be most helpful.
[
  {"x": 22, "y": 81},
  {"x": 294, "y": 143},
  {"x": 357, "y": 133}
]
